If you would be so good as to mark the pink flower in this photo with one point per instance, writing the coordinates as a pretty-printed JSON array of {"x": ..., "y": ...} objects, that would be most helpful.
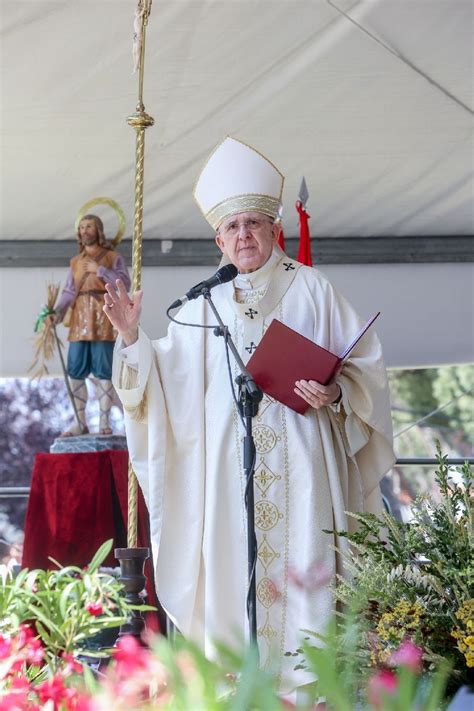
[
  {"x": 25, "y": 635},
  {"x": 34, "y": 652},
  {"x": 94, "y": 608},
  {"x": 130, "y": 656},
  {"x": 52, "y": 689},
  {"x": 70, "y": 697},
  {"x": 408, "y": 655},
  {"x": 383, "y": 683},
  {"x": 5, "y": 647},
  {"x": 17, "y": 698},
  {"x": 14, "y": 701},
  {"x": 16, "y": 664},
  {"x": 20, "y": 683},
  {"x": 70, "y": 664},
  {"x": 316, "y": 577},
  {"x": 84, "y": 703}
]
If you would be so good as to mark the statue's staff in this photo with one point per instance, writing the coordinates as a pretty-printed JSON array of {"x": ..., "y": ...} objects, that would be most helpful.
[
  {"x": 45, "y": 347},
  {"x": 66, "y": 379},
  {"x": 140, "y": 121}
]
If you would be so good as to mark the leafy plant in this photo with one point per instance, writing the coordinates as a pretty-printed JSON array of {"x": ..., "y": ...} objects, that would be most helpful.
[
  {"x": 66, "y": 607},
  {"x": 397, "y": 686},
  {"x": 416, "y": 579},
  {"x": 179, "y": 678}
]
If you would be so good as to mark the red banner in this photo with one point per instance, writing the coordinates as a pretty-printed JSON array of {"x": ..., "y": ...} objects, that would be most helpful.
[{"x": 304, "y": 248}]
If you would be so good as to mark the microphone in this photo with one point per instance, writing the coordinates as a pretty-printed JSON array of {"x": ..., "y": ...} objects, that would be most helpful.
[{"x": 222, "y": 276}]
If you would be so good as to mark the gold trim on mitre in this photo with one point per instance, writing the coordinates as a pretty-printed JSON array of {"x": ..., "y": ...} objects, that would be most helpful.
[{"x": 243, "y": 203}]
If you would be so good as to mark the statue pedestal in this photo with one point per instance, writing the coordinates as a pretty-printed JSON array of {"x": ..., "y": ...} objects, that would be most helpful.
[{"x": 87, "y": 443}]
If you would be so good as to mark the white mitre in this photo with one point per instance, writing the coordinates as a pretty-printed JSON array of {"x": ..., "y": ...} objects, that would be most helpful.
[{"x": 237, "y": 178}]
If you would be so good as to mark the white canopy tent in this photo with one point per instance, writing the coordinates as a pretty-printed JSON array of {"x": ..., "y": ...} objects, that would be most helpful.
[{"x": 371, "y": 100}]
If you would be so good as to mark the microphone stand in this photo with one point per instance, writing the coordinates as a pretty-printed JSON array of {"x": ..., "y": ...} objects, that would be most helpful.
[{"x": 250, "y": 396}]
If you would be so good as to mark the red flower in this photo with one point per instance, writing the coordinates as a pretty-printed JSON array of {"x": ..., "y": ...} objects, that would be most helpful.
[
  {"x": 52, "y": 689},
  {"x": 17, "y": 698},
  {"x": 382, "y": 683},
  {"x": 130, "y": 656},
  {"x": 71, "y": 664},
  {"x": 20, "y": 684},
  {"x": 408, "y": 655},
  {"x": 94, "y": 608},
  {"x": 34, "y": 652},
  {"x": 5, "y": 647},
  {"x": 14, "y": 701},
  {"x": 25, "y": 635},
  {"x": 84, "y": 703}
]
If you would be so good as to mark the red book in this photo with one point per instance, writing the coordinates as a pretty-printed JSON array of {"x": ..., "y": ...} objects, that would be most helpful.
[{"x": 284, "y": 356}]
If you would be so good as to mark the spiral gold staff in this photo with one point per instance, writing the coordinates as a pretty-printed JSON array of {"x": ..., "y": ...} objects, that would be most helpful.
[{"x": 140, "y": 121}]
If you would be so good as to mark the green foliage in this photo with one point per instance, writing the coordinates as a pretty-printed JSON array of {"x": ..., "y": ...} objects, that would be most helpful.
[
  {"x": 416, "y": 393},
  {"x": 450, "y": 384},
  {"x": 415, "y": 388},
  {"x": 337, "y": 667},
  {"x": 66, "y": 607},
  {"x": 414, "y": 578},
  {"x": 235, "y": 683}
]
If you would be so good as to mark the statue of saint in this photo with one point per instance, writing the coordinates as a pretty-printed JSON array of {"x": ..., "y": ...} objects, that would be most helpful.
[{"x": 91, "y": 335}]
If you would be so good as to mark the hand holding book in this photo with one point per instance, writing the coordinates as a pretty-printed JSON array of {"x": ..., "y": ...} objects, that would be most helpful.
[{"x": 318, "y": 395}]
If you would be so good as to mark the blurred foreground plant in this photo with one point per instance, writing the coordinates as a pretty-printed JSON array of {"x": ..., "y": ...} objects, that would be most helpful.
[
  {"x": 180, "y": 678},
  {"x": 415, "y": 580},
  {"x": 398, "y": 685},
  {"x": 65, "y": 607}
]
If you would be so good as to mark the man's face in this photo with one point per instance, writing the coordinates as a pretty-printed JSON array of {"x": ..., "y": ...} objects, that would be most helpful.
[
  {"x": 247, "y": 240},
  {"x": 88, "y": 232}
]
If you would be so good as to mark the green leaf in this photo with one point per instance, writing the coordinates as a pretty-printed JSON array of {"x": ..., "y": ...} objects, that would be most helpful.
[
  {"x": 438, "y": 685},
  {"x": 49, "y": 624},
  {"x": 64, "y": 598},
  {"x": 45, "y": 636},
  {"x": 90, "y": 681},
  {"x": 100, "y": 556}
]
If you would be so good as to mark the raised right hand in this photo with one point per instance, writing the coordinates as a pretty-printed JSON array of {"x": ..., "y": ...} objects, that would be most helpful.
[{"x": 122, "y": 311}]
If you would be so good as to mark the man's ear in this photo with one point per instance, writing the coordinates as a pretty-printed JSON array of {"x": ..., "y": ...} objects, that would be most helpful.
[
  {"x": 276, "y": 229},
  {"x": 220, "y": 242}
]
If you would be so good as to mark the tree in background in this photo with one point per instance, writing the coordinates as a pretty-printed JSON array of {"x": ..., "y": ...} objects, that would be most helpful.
[
  {"x": 457, "y": 384},
  {"x": 31, "y": 416},
  {"x": 417, "y": 393}
]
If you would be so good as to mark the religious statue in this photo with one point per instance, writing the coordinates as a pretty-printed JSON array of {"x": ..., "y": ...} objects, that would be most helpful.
[{"x": 91, "y": 335}]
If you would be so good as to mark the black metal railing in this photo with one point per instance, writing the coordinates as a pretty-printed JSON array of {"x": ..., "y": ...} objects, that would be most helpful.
[{"x": 13, "y": 492}]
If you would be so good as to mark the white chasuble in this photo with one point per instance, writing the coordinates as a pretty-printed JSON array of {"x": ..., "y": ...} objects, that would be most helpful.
[{"x": 185, "y": 441}]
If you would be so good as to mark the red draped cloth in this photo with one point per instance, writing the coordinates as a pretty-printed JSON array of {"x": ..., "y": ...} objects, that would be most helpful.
[
  {"x": 304, "y": 247},
  {"x": 78, "y": 501}
]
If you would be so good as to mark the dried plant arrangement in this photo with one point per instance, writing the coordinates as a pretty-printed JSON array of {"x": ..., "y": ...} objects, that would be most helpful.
[{"x": 45, "y": 338}]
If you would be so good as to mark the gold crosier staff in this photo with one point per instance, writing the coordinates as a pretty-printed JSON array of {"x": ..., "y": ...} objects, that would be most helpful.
[{"x": 140, "y": 121}]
